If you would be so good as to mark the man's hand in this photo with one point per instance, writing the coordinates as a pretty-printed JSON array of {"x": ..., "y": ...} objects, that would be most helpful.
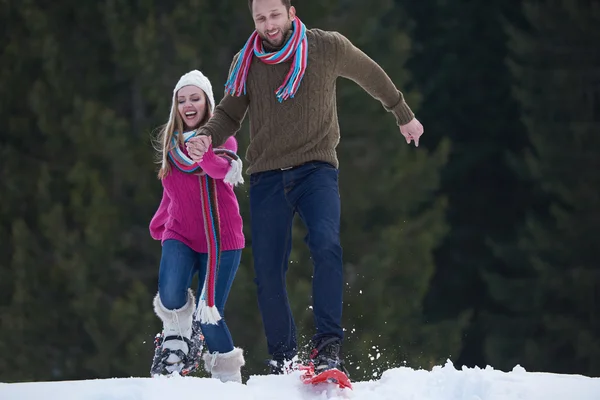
[
  {"x": 197, "y": 146},
  {"x": 412, "y": 131}
]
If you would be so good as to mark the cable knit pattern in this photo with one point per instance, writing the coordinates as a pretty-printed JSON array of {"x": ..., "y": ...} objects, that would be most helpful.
[
  {"x": 306, "y": 127},
  {"x": 179, "y": 214}
]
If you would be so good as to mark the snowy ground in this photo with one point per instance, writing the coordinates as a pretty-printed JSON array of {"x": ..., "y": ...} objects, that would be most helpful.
[{"x": 442, "y": 383}]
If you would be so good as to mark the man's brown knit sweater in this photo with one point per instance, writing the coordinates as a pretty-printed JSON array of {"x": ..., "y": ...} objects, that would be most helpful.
[{"x": 304, "y": 128}]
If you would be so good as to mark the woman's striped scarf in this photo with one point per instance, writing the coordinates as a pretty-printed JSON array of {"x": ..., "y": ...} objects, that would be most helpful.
[
  {"x": 295, "y": 49},
  {"x": 207, "y": 311}
]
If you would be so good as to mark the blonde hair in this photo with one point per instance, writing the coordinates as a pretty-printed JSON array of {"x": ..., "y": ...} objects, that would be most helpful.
[{"x": 163, "y": 142}]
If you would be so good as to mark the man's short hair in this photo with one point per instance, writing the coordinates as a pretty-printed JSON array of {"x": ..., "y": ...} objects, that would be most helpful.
[{"x": 286, "y": 3}]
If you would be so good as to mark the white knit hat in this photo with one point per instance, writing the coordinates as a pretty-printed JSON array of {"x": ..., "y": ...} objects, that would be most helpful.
[{"x": 198, "y": 79}]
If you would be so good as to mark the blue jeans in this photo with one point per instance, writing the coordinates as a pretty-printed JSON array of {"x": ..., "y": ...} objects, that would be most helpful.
[
  {"x": 311, "y": 190},
  {"x": 178, "y": 265}
]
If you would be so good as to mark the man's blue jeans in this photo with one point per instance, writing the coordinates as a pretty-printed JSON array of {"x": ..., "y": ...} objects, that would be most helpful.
[
  {"x": 311, "y": 190},
  {"x": 178, "y": 265}
]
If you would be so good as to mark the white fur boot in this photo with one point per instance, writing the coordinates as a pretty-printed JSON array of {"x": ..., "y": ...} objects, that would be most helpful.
[
  {"x": 225, "y": 366},
  {"x": 176, "y": 323}
]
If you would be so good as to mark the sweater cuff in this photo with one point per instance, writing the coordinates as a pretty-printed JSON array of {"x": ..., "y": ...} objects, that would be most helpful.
[
  {"x": 402, "y": 112},
  {"x": 209, "y": 156}
]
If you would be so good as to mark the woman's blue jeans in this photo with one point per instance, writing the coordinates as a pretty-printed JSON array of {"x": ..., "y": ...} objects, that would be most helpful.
[{"x": 178, "y": 265}]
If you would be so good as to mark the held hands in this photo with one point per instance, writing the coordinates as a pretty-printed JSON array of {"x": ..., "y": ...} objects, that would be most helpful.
[
  {"x": 412, "y": 131},
  {"x": 197, "y": 146}
]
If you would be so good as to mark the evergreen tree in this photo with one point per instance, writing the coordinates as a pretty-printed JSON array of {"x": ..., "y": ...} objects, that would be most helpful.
[
  {"x": 547, "y": 300},
  {"x": 75, "y": 299},
  {"x": 458, "y": 66}
]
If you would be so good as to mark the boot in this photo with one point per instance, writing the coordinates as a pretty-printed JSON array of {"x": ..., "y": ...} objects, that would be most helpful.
[
  {"x": 172, "y": 352},
  {"x": 279, "y": 365},
  {"x": 326, "y": 355},
  {"x": 225, "y": 366}
]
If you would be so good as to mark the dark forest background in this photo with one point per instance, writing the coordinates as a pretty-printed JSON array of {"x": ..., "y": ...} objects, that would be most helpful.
[{"x": 480, "y": 246}]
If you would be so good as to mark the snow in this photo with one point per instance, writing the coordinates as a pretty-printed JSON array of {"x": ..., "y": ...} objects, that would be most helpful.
[{"x": 441, "y": 383}]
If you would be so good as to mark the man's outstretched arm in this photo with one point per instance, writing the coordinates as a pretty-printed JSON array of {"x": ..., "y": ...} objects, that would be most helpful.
[{"x": 354, "y": 64}]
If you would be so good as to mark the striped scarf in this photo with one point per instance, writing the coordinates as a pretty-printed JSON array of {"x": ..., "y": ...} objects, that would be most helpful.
[
  {"x": 207, "y": 311},
  {"x": 295, "y": 49}
]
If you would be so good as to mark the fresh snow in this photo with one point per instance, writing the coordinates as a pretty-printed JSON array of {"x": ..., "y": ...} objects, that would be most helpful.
[{"x": 441, "y": 383}]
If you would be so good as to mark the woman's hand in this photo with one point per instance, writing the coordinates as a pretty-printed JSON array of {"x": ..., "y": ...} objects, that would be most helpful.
[{"x": 197, "y": 146}]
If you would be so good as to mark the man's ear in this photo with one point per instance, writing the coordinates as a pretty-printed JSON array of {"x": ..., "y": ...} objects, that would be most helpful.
[{"x": 292, "y": 12}]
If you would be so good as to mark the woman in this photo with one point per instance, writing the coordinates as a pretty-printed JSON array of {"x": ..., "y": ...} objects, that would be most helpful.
[{"x": 199, "y": 225}]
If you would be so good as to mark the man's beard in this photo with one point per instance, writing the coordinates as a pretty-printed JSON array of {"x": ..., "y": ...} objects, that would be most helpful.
[{"x": 284, "y": 33}]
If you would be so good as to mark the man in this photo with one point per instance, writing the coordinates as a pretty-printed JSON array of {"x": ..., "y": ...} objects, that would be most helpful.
[{"x": 285, "y": 78}]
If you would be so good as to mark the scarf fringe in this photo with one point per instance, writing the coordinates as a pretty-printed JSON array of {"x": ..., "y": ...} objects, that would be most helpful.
[
  {"x": 234, "y": 175},
  {"x": 207, "y": 314}
]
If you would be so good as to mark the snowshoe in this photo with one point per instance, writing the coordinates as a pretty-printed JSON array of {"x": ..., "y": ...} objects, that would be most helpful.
[
  {"x": 325, "y": 364},
  {"x": 188, "y": 362}
]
